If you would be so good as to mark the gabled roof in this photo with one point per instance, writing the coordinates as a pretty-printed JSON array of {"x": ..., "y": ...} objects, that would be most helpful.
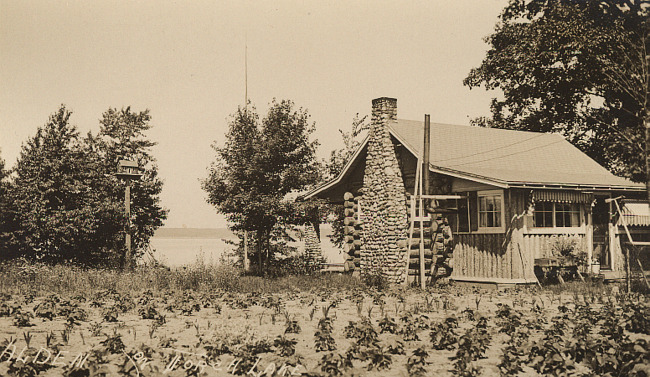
[
  {"x": 345, "y": 172},
  {"x": 498, "y": 157},
  {"x": 507, "y": 157}
]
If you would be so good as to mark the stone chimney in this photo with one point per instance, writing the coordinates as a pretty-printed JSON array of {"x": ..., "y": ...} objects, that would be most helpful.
[
  {"x": 383, "y": 204},
  {"x": 384, "y": 109}
]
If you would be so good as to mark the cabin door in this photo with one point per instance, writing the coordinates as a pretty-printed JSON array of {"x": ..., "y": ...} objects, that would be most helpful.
[{"x": 600, "y": 217}]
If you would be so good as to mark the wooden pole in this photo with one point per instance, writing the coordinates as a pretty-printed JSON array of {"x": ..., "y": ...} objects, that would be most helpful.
[
  {"x": 628, "y": 278},
  {"x": 247, "y": 263},
  {"x": 420, "y": 215},
  {"x": 422, "y": 272},
  {"x": 646, "y": 123},
  {"x": 412, "y": 225},
  {"x": 259, "y": 250},
  {"x": 424, "y": 190},
  {"x": 127, "y": 211},
  {"x": 427, "y": 146}
]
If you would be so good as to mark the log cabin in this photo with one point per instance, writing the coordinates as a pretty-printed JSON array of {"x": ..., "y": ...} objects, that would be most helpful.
[{"x": 517, "y": 196}]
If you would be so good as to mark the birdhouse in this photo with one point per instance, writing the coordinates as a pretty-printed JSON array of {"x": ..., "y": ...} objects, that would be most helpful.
[{"x": 127, "y": 169}]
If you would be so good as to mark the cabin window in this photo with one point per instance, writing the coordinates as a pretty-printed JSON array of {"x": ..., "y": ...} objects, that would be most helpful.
[
  {"x": 544, "y": 215},
  {"x": 463, "y": 215},
  {"x": 459, "y": 221},
  {"x": 556, "y": 215},
  {"x": 490, "y": 210}
]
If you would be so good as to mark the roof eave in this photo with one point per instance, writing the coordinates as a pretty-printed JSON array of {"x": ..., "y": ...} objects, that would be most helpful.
[
  {"x": 565, "y": 186},
  {"x": 338, "y": 178}
]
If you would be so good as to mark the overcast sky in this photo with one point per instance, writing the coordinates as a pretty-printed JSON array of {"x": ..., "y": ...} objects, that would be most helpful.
[{"x": 184, "y": 60}]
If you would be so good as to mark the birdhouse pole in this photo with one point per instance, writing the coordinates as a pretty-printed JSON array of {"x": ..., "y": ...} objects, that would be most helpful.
[
  {"x": 127, "y": 210},
  {"x": 128, "y": 171}
]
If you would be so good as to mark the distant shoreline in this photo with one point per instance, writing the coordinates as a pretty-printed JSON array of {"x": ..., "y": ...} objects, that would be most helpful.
[{"x": 207, "y": 233}]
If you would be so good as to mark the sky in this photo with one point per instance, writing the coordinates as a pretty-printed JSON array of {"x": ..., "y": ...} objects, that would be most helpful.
[{"x": 185, "y": 62}]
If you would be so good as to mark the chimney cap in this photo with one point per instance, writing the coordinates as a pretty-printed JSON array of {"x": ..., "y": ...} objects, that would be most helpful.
[{"x": 384, "y": 99}]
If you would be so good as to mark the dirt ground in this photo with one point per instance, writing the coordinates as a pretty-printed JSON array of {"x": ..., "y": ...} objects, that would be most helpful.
[{"x": 394, "y": 333}]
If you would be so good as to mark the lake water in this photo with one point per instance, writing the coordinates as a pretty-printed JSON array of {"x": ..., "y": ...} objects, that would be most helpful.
[
  {"x": 181, "y": 251},
  {"x": 178, "y": 247}
]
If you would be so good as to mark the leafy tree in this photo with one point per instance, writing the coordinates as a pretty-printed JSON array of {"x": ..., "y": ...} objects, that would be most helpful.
[
  {"x": 4, "y": 214},
  {"x": 65, "y": 203},
  {"x": 55, "y": 213},
  {"x": 259, "y": 165},
  {"x": 339, "y": 157},
  {"x": 122, "y": 136},
  {"x": 578, "y": 68},
  {"x": 334, "y": 166}
]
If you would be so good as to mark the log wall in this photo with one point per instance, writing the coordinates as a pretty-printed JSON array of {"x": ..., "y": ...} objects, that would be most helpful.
[{"x": 498, "y": 255}]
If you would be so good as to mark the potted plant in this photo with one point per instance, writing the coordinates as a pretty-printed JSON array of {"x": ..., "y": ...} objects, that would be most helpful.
[{"x": 595, "y": 266}]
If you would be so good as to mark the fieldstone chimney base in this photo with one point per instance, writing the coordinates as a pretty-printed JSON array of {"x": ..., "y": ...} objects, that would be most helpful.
[{"x": 383, "y": 204}]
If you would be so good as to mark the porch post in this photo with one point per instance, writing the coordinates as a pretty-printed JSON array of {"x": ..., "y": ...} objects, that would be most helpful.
[{"x": 589, "y": 236}]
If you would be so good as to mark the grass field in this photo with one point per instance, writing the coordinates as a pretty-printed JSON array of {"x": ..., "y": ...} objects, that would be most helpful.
[{"x": 208, "y": 320}]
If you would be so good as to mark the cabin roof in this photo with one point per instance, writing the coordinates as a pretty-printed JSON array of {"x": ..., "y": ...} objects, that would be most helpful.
[
  {"x": 498, "y": 157},
  {"x": 507, "y": 156}
]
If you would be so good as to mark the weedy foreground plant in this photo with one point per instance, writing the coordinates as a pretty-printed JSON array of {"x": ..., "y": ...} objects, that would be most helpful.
[{"x": 208, "y": 320}]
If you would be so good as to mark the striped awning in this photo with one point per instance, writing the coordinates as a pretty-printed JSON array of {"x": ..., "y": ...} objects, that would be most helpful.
[
  {"x": 635, "y": 214},
  {"x": 560, "y": 196}
]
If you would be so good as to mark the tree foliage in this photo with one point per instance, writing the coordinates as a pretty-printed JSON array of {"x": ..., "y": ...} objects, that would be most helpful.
[
  {"x": 334, "y": 166},
  {"x": 258, "y": 166},
  {"x": 64, "y": 203},
  {"x": 578, "y": 68},
  {"x": 122, "y": 136},
  {"x": 351, "y": 141},
  {"x": 4, "y": 210}
]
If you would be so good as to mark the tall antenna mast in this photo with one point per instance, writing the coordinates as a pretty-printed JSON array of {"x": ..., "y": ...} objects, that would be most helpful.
[
  {"x": 247, "y": 263},
  {"x": 246, "y": 72}
]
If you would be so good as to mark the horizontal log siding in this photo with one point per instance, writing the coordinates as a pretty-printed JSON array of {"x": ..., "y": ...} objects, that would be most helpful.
[{"x": 487, "y": 256}]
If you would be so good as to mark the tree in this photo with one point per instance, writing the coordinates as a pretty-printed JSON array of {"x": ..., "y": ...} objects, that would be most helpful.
[
  {"x": 54, "y": 213},
  {"x": 578, "y": 68},
  {"x": 339, "y": 157},
  {"x": 122, "y": 136},
  {"x": 334, "y": 166},
  {"x": 258, "y": 166},
  {"x": 65, "y": 203},
  {"x": 4, "y": 214}
]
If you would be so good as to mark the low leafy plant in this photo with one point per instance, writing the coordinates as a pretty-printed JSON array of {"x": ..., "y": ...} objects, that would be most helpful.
[
  {"x": 148, "y": 312},
  {"x": 511, "y": 360},
  {"x": 5, "y": 309},
  {"x": 284, "y": 347},
  {"x": 637, "y": 317},
  {"x": 443, "y": 335},
  {"x": 25, "y": 366},
  {"x": 45, "y": 309},
  {"x": 409, "y": 329},
  {"x": 417, "y": 362},
  {"x": 378, "y": 359},
  {"x": 292, "y": 326},
  {"x": 113, "y": 344},
  {"x": 23, "y": 319},
  {"x": 366, "y": 334},
  {"x": 388, "y": 325},
  {"x": 324, "y": 341},
  {"x": 110, "y": 314},
  {"x": 547, "y": 358},
  {"x": 333, "y": 364},
  {"x": 471, "y": 347},
  {"x": 396, "y": 349}
]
